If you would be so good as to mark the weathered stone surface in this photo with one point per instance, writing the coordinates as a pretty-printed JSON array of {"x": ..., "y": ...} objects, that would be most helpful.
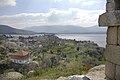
[
  {"x": 119, "y": 35},
  {"x": 111, "y": 18},
  {"x": 112, "y": 1},
  {"x": 110, "y": 70},
  {"x": 108, "y": 78},
  {"x": 112, "y": 15},
  {"x": 12, "y": 76},
  {"x": 112, "y": 54},
  {"x": 62, "y": 78},
  {"x": 117, "y": 4},
  {"x": 112, "y": 35},
  {"x": 110, "y": 5},
  {"x": 78, "y": 77},
  {"x": 117, "y": 73},
  {"x": 97, "y": 68},
  {"x": 97, "y": 73}
]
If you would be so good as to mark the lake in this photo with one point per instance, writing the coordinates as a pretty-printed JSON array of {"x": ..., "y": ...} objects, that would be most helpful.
[{"x": 100, "y": 39}]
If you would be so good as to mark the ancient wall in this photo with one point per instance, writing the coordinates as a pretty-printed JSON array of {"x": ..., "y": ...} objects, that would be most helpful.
[
  {"x": 112, "y": 53},
  {"x": 111, "y": 18}
]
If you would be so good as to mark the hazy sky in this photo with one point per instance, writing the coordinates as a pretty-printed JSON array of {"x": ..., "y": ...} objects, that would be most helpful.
[{"x": 26, "y": 13}]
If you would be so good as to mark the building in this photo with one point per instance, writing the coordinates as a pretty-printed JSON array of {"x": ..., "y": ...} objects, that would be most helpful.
[{"x": 20, "y": 57}]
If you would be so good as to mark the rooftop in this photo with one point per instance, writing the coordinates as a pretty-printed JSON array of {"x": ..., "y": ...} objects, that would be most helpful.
[{"x": 19, "y": 53}]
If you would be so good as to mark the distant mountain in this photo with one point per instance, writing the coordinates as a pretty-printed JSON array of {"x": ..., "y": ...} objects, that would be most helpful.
[
  {"x": 65, "y": 29},
  {"x": 4, "y": 29},
  {"x": 97, "y": 29}
]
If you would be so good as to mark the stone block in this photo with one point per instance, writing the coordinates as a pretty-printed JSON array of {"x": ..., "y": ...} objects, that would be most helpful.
[
  {"x": 117, "y": 76},
  {"x": 110, "y": 6},
  {"x": 107, "y": 78},
  {"x": 110, "y": 71},
  {"x": 119, "y": 35},
  {"x": 112, "y": 35},
  {"x": 112, "y": 54},
  {"x": 112, "y": 1},
  {"x": 111, "y": 18}
]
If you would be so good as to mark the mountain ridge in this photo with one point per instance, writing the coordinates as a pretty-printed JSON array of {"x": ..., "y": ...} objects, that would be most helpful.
[
  {"x": 65, "y": 29},
  {"x": 5, "y": 29}
]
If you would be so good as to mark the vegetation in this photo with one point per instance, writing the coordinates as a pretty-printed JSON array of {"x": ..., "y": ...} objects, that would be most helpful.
[{"x": 57, "y": 57}]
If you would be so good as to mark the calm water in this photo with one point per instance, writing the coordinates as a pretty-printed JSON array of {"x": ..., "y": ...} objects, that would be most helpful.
[{"x": 100, "y": 39}]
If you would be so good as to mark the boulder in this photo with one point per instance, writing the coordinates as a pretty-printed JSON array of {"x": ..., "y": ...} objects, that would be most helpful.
[
  {"x": 78, "y": 77},
  {"x": 62, "y": 78},
  {"x": 12, "y": 76},
  {"x": 97, "y": 68},
  {"x": 97, "y": 73}
]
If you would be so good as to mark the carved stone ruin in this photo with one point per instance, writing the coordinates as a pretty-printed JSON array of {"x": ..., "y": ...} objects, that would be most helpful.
[{"x": 111, "y": 18}]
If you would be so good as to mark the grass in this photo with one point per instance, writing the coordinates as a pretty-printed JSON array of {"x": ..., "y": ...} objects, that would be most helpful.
[
  {"x": 53, "y": 73},
  {"x": 72, "y": 61}
]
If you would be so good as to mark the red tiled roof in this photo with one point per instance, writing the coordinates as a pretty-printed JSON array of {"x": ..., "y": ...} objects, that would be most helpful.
[{"x": 19, "y": 53}]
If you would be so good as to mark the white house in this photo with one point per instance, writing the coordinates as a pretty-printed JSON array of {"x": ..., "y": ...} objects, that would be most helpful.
[{"x": 20, "y": 57}]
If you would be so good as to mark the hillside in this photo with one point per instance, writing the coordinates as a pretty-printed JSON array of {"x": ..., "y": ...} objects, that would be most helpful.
[
  {"x": 66, "y": 29},
  {"x": 4, "y": 29},
  {"x": 52, "y": 57}
]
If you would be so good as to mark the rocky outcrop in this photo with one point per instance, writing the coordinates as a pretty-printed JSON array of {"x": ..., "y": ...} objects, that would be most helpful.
[
  {"x": 11, "y": 76},
  {"x": 97, "y": 73},
  {"x": 62, "y": 78},
  {"x": 74, "y": 77},
  {"x": 78, "y": 77}
]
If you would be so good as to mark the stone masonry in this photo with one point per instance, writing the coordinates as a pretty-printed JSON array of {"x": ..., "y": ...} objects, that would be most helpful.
[{"x": 111, "y": 18}]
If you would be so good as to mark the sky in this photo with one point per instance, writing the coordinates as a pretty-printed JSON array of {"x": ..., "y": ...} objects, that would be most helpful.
[{"x": 27, "y": 13}]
